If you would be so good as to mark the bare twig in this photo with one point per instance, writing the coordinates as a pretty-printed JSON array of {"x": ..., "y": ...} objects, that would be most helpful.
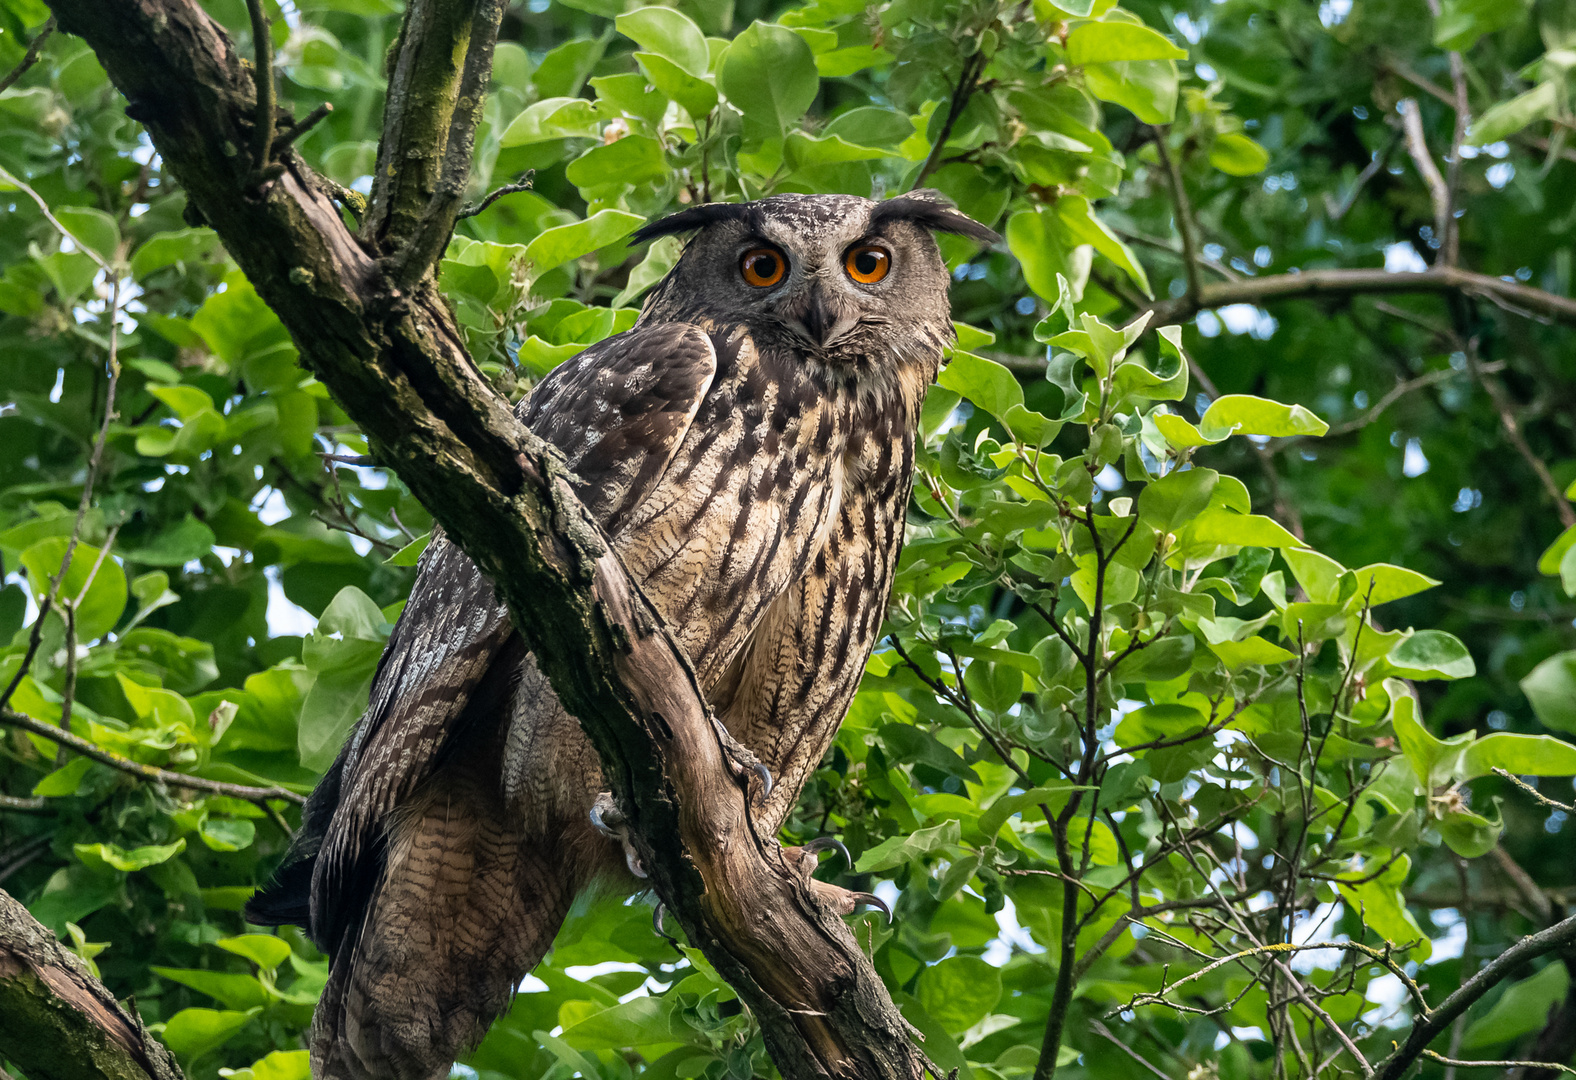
[
  {"x": 1417, "y": 148},
  {"x": 968, "y": 78},
  {"x": 1400, "y": 390},
  {"x": 256, "y": 795},
  {"x": 1429, "y": 1026},
  {"x": 527, "y": 179},
  {"x": 1552, "y": 804},
  {"x": 263, "y": 81},
  {"x": 1105, "y": 1033},
  {"x": 29, "y": 58},
  {"x": 1507, "y": 418},
  {"x": 306, "y": 124},
  {"x": 1453, "y": 1063},
  {"x": 1184, "y": 210}
]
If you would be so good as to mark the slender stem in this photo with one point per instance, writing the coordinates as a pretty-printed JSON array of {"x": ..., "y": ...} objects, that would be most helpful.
[
  {"x": 1417, "y": 147},
  {"x": 29, "y": 58},
  {"x": 968, "y": 79},
  {"x": 1185, "y": 226},
  {"x": 263, "y": 81},
  {"x": 1507, "y": 418},
  {"x": 146, "y": 772}
]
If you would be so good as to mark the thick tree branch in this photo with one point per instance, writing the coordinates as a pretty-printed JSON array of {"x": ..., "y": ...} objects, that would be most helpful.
[
  {"x": 58, "y": 1022},
  {"x": 396, "y": 361}
]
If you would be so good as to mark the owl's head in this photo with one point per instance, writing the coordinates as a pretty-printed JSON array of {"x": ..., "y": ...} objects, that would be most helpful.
[{"x": 838, "y": 278}]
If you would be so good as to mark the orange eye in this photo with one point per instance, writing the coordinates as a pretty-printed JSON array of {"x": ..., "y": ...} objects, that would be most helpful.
[
  {"x": 868, "y": 264},
  {"x": 763, "y": 267}
]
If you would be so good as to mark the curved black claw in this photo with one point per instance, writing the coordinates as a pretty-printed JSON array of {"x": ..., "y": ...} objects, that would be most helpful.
[
  {"x": 662, "y": 931},
  {"x": 830, "y": 843},
  {"x": 872, "y": 900},
  {"x": 740, "y": 760}
]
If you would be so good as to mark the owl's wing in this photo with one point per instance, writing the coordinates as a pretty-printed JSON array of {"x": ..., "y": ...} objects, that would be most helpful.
[{"x": 617, "y": 412}]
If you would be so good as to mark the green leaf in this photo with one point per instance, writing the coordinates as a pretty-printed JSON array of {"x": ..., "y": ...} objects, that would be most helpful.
[
  {"x": 1237, "y": 155},
  {"x": 193, "y": 1032},
  {"x": 986, "y": 383},
  {"x": 1383, "y": 907},
  {"x": 227, "y": 834},
  {"x": 1521, "y": 1010},
  {"x": 1433, "y": 760},
  {"x": 1553, "y": 556},
  {"x": 231, "y": 989},
  {"x": 175, "y": 248},
  {"x": 264, "y": 950},
  {"x": 1462, "y": 22},
  {"x": 552, "y": 118},
  {"x": 281, "y": 1064},
  {"x": 1224, "y": 528},
  {"x": 1551, "y": 689},
  {"x": 174, "y": 545},
  {"x": 137, "y": 858},
  {"x": 1177, "y": 498},
  {"x": 669, "y": 34},
  {"x": 92, "y": 228},
  {"x": 1256, "y": 651},
  {"x": 897, "y": 850},
  {"x": 1431, "y": 654},
  {"x": 1244, "y": 414},
  {"x": 959, "y": 991},
  {"x": 697, "y": 96},
  {"x": 562, "y": 243},
  {"x": 411, "y": 552},
  {"x": 1504, "y": 119},
  {"x": 634, "y": 159},
  {"x": 1105, "y": 42},
  {"x": 100, "y": 597},
  {"x": 1389, "y": 583},
  {"x": 1146, "y": 88},
  {"x": 769, "y": 75},
  {"x": 1052, "y": 261},
  {"x": 64, "y": 780},
  {"x": 1525, "y": 755}
]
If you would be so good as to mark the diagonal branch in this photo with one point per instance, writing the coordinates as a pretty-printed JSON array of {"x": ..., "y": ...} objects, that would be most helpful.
[
  {"x": 398, "y": 366},
  {"x": 1494, "y": 972}
]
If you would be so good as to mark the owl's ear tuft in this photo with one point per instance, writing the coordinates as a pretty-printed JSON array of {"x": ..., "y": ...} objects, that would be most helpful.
[
  {"x": 696, "y": 217},
  {"x": 932, "y": 210}
]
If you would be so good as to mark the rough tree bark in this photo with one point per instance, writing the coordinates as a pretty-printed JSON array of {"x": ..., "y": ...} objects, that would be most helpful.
[
  {"x": 57, "y": 1022},
  {"x": 394, "y": 359}
]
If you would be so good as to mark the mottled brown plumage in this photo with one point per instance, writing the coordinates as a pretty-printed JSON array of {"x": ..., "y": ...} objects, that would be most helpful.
[{"x": 749, "y": 451}]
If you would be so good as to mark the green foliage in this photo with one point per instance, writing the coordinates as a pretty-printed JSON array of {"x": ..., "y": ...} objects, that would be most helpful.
[{"x": 1101, "y": 666}]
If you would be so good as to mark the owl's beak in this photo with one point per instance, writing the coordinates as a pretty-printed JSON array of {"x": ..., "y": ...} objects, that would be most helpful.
[{"x": 817, "y": 319}]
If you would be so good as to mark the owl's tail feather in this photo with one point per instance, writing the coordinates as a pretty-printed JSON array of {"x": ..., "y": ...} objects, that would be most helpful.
[{"x": 465, "y": 908}]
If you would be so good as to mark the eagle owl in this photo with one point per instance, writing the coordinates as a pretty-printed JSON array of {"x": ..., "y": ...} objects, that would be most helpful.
[{"x": 748, "y": 448}]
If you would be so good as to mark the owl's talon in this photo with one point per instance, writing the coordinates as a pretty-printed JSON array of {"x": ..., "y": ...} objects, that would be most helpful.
[
  {"x": 608, "y": 819},
  {"x": 662, "y": 931},
  {"x": 869, "y": 900},
  {"x": 741, "y": 762},
  {"x": 830, "y": 843}
]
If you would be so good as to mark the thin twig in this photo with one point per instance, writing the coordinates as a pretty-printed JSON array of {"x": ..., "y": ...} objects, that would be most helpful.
[
  {"x": 968, "y": 78},
  {"x": 263, "y": 81},
  {"x": 1417, "y": 147},
  {"x": 1184, "y": 211},
  {"x": 527, "y": 179},
  {"x": 29, "y": 58},
  {"x": 1105, "y": 1032},
  {"x": 1552, "y": 804},
  {"x": 1400, "y": 390},
  {"x": 1507, "y": 418},
  {"x": 146, "y": 772},
  {"x": 1453, "y": 1063},
  {"x": 306, "y": 124}
]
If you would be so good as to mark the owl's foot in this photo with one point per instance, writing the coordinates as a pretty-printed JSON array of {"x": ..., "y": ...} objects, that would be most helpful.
[
  {"x": 609, "y": 820},
  {"x": 741, "y": 762},
  {"x": 843, "y": 901}
]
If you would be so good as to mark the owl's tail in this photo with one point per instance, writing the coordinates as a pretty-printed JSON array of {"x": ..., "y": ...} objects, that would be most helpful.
[{"x": 466, "y": 906}]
